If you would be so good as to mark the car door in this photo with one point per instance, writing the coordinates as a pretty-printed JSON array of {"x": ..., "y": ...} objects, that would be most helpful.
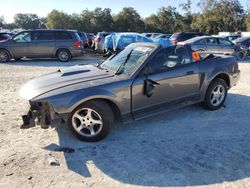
[
  {"x": 21, "y": 45},
  {"x": 226, "y": 47},
  {"x": 200, "y": 46},
  {"x": 43, "y": 43},
  {"x": 213, "y": 46},
  {"x": 174, "y": 79}
]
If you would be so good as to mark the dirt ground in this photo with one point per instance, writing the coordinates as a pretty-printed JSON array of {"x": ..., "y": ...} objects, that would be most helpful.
[{"x": 190, "y": 147}]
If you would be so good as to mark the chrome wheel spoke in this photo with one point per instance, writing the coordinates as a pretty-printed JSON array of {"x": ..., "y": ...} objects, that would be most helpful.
[
  {"x": 217, "y": 95},
  {"x": 78, "y": 116},
  {"x": 89, "y": 114},
  {"x": 80, "y": 128},
  {"x": 91, "y": 130},
  {"x": 87, "y": 122},
  {"x": 96, "y": 122}
]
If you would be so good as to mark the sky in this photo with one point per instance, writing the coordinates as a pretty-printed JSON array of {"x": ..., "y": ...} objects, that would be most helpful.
[{"x": 42, "y": 7}]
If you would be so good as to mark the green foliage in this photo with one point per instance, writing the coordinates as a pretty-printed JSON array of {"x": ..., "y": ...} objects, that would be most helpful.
[
  {"x": 2, "y": 22},
  {"x": 215, "y": 16},
  {"x": 128, "y": 20},
  {"x": 58, "y": 20},
  {"x": 167, "y": 20},
  {"x": 247, "y": 21},
  {"x": 27, "y": 21},
  {"x": 222, "y": 15}
]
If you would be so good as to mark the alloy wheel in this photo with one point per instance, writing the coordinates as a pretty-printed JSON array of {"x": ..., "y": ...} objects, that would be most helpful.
[
  {"x": 217, "y": 95},
  {"x": 87, "y": 122}
]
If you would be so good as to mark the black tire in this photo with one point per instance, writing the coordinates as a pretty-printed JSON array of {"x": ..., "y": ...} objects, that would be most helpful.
[
  {"x": 64, "y": 55},
  {"x": 240, "y": 55},
  {"x": 208, "y": 103},
  {"x": 18, "y": 59},
  {"x": 4, "y": 56},
  {"x": 101, "y": 111}
]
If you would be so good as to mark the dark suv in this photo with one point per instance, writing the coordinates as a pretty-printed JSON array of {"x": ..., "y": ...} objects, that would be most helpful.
[
  {"x": 62, "y": 44},
  {"x": 179, "y": 37}
]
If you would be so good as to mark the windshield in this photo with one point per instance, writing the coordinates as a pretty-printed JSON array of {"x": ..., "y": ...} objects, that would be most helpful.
[{"x": 128, "y": 60}]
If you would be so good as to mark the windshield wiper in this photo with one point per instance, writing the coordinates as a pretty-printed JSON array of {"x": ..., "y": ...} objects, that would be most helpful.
[{"x": 120, "y": 70}]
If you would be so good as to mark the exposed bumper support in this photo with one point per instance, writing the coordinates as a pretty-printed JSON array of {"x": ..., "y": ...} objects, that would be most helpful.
[{"x": 38, "y": 114}]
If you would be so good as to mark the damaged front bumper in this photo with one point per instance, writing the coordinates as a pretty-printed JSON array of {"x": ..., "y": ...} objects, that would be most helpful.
[{"x": 38, "y": 114}]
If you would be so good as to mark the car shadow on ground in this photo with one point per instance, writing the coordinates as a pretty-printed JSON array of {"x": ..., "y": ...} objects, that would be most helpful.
[{"x": 184, "y": 147}]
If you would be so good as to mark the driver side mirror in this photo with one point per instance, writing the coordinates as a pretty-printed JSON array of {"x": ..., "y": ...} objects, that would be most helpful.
[{"x": 149, "y": 86}]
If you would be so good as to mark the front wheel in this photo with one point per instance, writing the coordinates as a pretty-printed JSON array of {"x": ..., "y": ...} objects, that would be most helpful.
[
  {"x": 216, "y": 95},
  {"x": 64, "y": 55},
  {"x": 4, "y": 56},
  {"x": 91, "y": 121}
]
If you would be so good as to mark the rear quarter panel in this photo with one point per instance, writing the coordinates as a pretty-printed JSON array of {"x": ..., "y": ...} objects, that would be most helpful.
[{"x": 211, "y": 68}]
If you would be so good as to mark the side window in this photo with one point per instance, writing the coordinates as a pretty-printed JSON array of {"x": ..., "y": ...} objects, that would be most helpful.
[
  {"x": 185, "y": 37},
  {"x": 224, "y": 42},
  {"x": 41, "y": 36},
  {"x": 212, "y": 41},
  {"x": 23, "y": 37},
  {"x": 203, "y": 41},
  {"x": 169, "y": 58},
  {"x": 63, "y": 36}
]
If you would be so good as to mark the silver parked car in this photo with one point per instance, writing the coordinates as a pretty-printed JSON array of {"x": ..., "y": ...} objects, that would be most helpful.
[
  {"x": 62, "y": 44},
  {"x": 99, "y": 41},
  {"x": 142, "y": 80},
  {"x": 215, "y": 45}
]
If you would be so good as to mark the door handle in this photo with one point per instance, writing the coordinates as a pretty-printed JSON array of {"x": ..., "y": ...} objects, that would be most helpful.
[{"x": 190, "y": 72}]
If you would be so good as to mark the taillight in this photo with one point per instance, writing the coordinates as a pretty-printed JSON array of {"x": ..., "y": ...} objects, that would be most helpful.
[
  {"x": 97, "y": 39},
  {"x": 78, "y": 44}
]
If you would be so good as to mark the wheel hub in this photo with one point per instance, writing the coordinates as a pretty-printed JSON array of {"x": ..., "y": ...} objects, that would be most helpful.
[
  {"x": 217, "y": 95},
  {"x": 87, "y": 122}
]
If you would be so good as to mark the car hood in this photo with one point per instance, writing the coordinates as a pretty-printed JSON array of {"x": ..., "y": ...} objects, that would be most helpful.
[
  {"x": 62, "y": 78},
  {"x": 4, "y": 41}
]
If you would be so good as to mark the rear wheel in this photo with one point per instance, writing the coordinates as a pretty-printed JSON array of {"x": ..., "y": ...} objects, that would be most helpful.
[
  {"x": 4, "y": 56},
  {"x": 91, "y": 121},
  {"x": 216, "y": 95},
  {"x": 64, "y": 55}
]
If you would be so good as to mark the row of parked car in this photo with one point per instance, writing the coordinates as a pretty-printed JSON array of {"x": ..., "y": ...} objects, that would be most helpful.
[{"x": 66, "y": 44}]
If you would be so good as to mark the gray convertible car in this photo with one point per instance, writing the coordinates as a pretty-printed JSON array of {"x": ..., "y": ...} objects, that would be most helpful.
[{"x": 142, "y": 80}]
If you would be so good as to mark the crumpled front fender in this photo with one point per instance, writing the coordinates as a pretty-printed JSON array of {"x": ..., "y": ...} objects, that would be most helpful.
[{"x": 66, "y": 102}]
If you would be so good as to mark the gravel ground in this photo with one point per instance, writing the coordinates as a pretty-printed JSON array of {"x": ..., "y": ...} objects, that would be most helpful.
[{"x": 187, "y": 147}]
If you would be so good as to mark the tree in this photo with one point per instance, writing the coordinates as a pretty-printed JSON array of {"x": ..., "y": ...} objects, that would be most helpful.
[
  {"x": 247, "y": 21},
  {"x": 87, "y": 21},
  {"x": 102, "y": 20},
  {"x": 10, "y": 26},
  {"x": 152, "y": 24},
  {"x": 27, "y": 21},
  {"x": 163, "y": 21},
  {"x": 186, "y": 6},
  {"x": 128, "y": 20},
  {"x": 58, "y": 20},
  {"x": 183, "y": 23},
  {"x": 2, "y": 22},
  {"x": 222, "y": 15}
]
